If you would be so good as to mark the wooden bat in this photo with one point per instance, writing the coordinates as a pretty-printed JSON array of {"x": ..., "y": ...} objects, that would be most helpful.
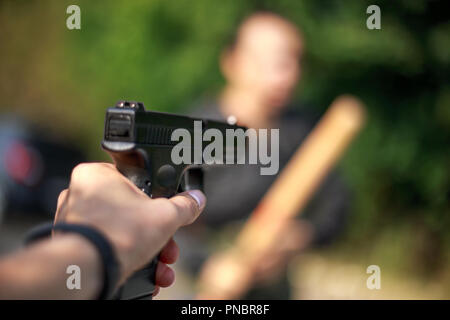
[{"x": 229, "y": 275}]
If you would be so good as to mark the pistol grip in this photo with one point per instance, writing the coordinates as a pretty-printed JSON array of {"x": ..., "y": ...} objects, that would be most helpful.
[
  {"x": 157, "y": 180},
  {"x": 141, "y": 285}
]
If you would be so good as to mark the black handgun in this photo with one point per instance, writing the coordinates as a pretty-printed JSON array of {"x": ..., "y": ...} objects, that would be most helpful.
[{"x": 140, "y": 143}]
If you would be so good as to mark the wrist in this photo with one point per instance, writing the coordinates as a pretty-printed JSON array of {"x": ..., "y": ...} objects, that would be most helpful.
[
  {"x": 41, "y": 270},
  {"x": 110, "y": 265},
  {"x": 81, "y": 252},
  {"x": 91, "y": 247}
]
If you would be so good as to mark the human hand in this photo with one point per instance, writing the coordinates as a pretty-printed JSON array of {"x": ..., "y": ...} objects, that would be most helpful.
[
  {"x": 138, "y": 227},
  {"x": 294, "y": 237},
  {"x": 229, "y": 274}
]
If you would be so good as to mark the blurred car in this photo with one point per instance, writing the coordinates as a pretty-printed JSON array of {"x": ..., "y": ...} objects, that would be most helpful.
[{"x": 34, "y": 168}]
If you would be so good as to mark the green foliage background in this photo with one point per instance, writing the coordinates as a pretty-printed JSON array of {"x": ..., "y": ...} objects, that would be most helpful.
[{"x": 165, "y": 54}]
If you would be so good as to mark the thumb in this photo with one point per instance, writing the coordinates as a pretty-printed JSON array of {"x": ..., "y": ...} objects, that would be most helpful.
[{"x": 189, "y": 205}]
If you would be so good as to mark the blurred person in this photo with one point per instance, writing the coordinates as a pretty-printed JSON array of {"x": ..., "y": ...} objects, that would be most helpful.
[
  {"x": 262, "y": 66},
  {"x": 135, "y": 226}
]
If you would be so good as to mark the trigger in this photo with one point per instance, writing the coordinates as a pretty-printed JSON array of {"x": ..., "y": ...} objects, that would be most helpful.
[{"x": 192, "y": 179}]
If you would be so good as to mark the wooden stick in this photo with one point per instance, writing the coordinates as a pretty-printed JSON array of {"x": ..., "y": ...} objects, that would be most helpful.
[{"x": 286, "y": 198}]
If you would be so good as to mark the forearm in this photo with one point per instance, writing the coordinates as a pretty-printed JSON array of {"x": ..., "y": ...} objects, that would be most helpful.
[{"x": 40, "y": 271}]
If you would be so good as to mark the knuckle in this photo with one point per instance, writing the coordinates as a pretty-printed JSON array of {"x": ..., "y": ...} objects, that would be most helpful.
[
  {"x": 79, "y": 170},
  {"x": 177, "y": 211},
  {"x": 168, "y": 211},
  {"x": 86, "y": 173},
  {"x": 166, "y": 205}
]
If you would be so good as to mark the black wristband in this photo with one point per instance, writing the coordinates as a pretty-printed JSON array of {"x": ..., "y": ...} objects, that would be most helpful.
[{"x": 111, "y": 269}]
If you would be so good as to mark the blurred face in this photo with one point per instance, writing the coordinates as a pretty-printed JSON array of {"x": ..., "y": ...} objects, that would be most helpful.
[{"x": 265, "y": 61}]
